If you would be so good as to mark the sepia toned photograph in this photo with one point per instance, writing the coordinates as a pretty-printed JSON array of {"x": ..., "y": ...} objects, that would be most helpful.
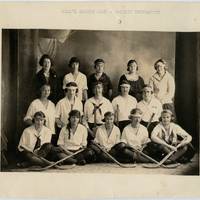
[{"x": 100, "y": 101}]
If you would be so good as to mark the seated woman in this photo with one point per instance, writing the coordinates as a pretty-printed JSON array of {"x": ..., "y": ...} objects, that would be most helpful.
[
  {"x": 151, "y": 109},
  {"x": 123, "y": 104},
  {"x": 108, "y": 137},
  {"x": 45, "y": 105},
  {"x": 95, "y": 108},
  {"x": 76, "y": 76},
  {"x": 101, "y": 76},
  {"x": 171, "y": 137},
  {"x": 47, "y": 75},
  {"x": 73, "y": 137},
  {"x": 135, "y": 136},
  {"x": 35, "y": 143},
  {"x": 163, "y": 85},
  {"x": 136, "y": 82}
]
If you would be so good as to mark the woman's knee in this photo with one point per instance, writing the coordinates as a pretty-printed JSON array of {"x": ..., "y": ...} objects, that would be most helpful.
[{"x": 120, "y": 146}]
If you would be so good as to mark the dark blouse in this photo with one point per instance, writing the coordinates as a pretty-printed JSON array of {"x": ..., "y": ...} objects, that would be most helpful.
[
  {"x": 107, "y": 85},
  {"x": 136, "y": 87},
  {"x": 40, "y": 80}
]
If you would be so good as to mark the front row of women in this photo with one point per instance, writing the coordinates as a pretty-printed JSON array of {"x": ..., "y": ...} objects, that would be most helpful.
[{"x": 35, "y": 142}]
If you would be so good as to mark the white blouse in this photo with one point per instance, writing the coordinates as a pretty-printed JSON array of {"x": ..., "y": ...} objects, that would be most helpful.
[
  {"x": 154, "y": 107},
  {"x": 174, "y": 131},
  {"x": 107, "y": 141},
  {"x": 76, "y": 140},
  {"x": 49, "y": 112},
  {"x": 104, "y": 106},
  {"x": 63, "y": 108},
  {"x": 29, "y": 137},
  {"x": 125, "y": 105},
  {"x": 164, "y": 87},
  {"x": 81, "y": 81},
  {"x": 135, "y": 136}
]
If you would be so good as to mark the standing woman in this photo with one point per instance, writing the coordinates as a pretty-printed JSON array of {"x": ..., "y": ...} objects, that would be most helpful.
[
  {"x": 47, "y": 75},
  {"x": 44, "y": 105},
  {"x": 76, "y": 76},
  {"x": 100, "y": 75},
  {"x": 163, "y": 85},
  {"x": 136, "y": 82}
]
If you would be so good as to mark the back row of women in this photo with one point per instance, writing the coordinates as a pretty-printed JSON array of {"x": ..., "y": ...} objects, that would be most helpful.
[{"x": 136, "y": 112}]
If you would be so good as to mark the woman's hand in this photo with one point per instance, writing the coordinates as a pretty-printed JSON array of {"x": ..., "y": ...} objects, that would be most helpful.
[{"x": 172, "y": 147}]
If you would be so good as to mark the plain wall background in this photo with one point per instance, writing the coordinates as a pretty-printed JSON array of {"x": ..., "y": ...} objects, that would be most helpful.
[{"x": 116, "y": 48}]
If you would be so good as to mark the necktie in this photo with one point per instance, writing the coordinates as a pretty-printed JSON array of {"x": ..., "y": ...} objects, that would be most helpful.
[
  {"x": 95, "y": 110},
  {"x": 38, "y": 143}
]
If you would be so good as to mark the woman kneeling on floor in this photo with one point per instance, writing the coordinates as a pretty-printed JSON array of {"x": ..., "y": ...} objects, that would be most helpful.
[
  {"x": 135, "y": 138},
  {"x": 168, "y": 137},
  {"x": 72, "y": 138},
  {"x": 108, "y": 139},
  {"x": 35, "y": 144}
]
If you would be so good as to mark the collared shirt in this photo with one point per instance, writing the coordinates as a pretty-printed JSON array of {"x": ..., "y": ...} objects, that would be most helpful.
[
  {"x": 49, "y": 112},
  {"x": 76, "y": 140},
  {"x": 89, "y": 109},
  {"x": 107, "y": 141},
  {"x": 63, "y": 107},
  {"x": 29, "y": 137},
  {"x": 154, "y": 107},
  {"x": 80, "y": 80},
  {"x": 174, "y": 131},
  {"x": 164, "y": 87},
  {"x": 135, "y": 136},
  {"x": 123, "y": 106},
  {"x": 107, "y": 85}
]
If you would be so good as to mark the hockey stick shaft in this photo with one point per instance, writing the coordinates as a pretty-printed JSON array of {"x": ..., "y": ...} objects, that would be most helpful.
[{"x": 111, "y": 157}]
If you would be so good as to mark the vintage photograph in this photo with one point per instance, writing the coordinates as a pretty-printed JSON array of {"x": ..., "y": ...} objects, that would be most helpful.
[{"x": 100, "y": 101}]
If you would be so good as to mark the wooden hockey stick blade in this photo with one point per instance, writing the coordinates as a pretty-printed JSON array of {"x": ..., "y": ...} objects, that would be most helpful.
[
  {"x": 113, "y": 159},
  {"x": 60, "y": 161},
  {"x": 170, "y": 166},
  {"x": 38, "y": 169},
  {"x": 154, "y": 166},
  {"x": 161, "y": 162}
]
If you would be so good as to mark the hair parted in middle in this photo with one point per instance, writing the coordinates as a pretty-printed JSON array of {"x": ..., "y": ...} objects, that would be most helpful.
[{"x": 130, "y": 62}]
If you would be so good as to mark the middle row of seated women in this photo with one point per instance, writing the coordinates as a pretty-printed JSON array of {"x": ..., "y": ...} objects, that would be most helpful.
[{"x": 95, "y": 107}]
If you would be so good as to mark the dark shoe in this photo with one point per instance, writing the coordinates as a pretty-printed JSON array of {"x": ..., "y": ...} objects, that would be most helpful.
[
  {"x": 81, "y": 162},
  {"x": 23, "y": 165}
]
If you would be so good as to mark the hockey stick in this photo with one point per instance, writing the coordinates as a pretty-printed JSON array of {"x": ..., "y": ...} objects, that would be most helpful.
[
  {"x": 171, "y": 166},
  {"x": 112, "y": 158},
  {"x": 60, "y": 161},
  {"x": 150, "y": 120},
  {"x": 161, "y": 162},
  {"x": 43, "y": 159}
]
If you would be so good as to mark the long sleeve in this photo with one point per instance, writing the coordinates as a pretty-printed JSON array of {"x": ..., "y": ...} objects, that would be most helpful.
[
  {"x": 170, "y": 88},
  {"x": 61, "y": 139},
  {"x": 30, "y": 112},
  {"x": 84, "y": 140}
]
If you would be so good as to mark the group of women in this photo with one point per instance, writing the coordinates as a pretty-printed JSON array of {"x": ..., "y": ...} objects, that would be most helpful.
[{"x": 140, "y": 118}]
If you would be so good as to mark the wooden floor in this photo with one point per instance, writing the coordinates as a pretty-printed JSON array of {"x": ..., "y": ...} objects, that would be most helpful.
[{"x": 191, "y": 168}]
